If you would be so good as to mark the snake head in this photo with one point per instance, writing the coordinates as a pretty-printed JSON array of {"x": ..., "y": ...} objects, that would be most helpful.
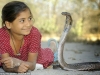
[
  {"x": 68, "y": 21},
  {"x": 68, "y": 18}
]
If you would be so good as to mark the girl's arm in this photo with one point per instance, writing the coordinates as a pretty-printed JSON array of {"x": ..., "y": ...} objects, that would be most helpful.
[
  {"x": 6, "y": 55},
  {"x": 29, "y": 64},
  {"x": 32, "y": 58}
]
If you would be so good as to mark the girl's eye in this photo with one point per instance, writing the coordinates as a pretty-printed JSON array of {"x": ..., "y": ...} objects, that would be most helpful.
[
  {"x": 21, "y": 21},
  {"x": 30, "y": 19}
]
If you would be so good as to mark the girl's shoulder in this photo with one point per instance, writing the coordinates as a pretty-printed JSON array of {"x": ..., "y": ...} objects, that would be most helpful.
[
  {"x": 34, "y": 29},
  {"x": 3, "y": 33},
  {"x": 34, "y": 32}
]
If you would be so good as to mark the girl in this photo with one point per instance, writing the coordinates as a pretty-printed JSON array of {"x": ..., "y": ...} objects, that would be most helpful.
[{"x": 20, "y": 41}]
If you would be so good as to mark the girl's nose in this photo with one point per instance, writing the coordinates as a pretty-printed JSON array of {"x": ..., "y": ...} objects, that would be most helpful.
[{"x": 27, "y": 23}]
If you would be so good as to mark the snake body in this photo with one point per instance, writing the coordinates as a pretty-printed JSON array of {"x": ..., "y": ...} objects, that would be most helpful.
[{"x": 84, "y": 66}]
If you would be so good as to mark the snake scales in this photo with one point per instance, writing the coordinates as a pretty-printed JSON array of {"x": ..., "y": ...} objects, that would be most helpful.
[{"x": 84, "y": 66}]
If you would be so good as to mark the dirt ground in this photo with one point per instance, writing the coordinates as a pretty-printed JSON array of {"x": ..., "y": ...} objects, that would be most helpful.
[{"x": 73, "y": 53}]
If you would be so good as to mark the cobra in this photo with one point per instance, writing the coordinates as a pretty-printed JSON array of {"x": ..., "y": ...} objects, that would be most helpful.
[{"x": 84, "y": 66}]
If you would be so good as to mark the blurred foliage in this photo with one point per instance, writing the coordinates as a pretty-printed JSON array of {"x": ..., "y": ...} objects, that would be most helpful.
[
  {"x": 48, "y": 18},
  {"x": 78, "y": 29},
  {"x": 48, "y": 26}
]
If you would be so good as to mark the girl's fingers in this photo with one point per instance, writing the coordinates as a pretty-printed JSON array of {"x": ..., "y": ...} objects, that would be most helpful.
[
  {"x": 26, "y": 65},
  {"x": 8, "y": 66},
  {"x": 5, "y": 59},
  {"x": 23, "y": 68},
  {"x": 8, "y": 62}
]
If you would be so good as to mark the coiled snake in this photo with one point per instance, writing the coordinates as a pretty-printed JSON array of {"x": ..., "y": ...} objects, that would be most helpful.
[{"x": 84, "y": 66}]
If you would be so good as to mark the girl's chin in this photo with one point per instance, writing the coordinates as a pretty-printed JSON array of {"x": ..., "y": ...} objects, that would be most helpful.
[{"x": 26, "y": 33}]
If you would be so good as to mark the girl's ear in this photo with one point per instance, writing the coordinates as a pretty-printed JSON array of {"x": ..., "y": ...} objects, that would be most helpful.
[{"x": 7, "y": 24}]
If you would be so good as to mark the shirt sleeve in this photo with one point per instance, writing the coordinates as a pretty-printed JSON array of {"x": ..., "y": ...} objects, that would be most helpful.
[{"x": 35, "y": 43}]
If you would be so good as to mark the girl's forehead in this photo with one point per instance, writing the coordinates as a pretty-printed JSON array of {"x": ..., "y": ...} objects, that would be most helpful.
[{"x": 24, "y": 14}]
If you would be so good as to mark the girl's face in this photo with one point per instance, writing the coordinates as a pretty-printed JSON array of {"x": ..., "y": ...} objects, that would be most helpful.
[{"x": 22, "y": 24}]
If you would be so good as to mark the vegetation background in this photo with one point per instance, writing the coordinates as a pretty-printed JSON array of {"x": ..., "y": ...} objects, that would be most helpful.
[{"x": 50, "y": 22}]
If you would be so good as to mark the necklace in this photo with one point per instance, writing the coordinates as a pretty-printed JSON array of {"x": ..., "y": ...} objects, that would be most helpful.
[{"x": 18, "y": 54}]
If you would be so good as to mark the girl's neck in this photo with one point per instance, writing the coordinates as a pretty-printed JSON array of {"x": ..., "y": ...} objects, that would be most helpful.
[{"x": 16, "y": 37}]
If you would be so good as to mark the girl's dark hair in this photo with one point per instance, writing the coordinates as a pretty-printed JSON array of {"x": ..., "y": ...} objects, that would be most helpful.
[{"x": 11, "y": 10}]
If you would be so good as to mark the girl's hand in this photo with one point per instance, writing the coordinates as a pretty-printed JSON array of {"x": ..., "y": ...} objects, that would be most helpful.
[
  {"x": 11, "y": 62},
  {"x": 24, "y": 66},
  {"x": 8, "y": 62}
]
